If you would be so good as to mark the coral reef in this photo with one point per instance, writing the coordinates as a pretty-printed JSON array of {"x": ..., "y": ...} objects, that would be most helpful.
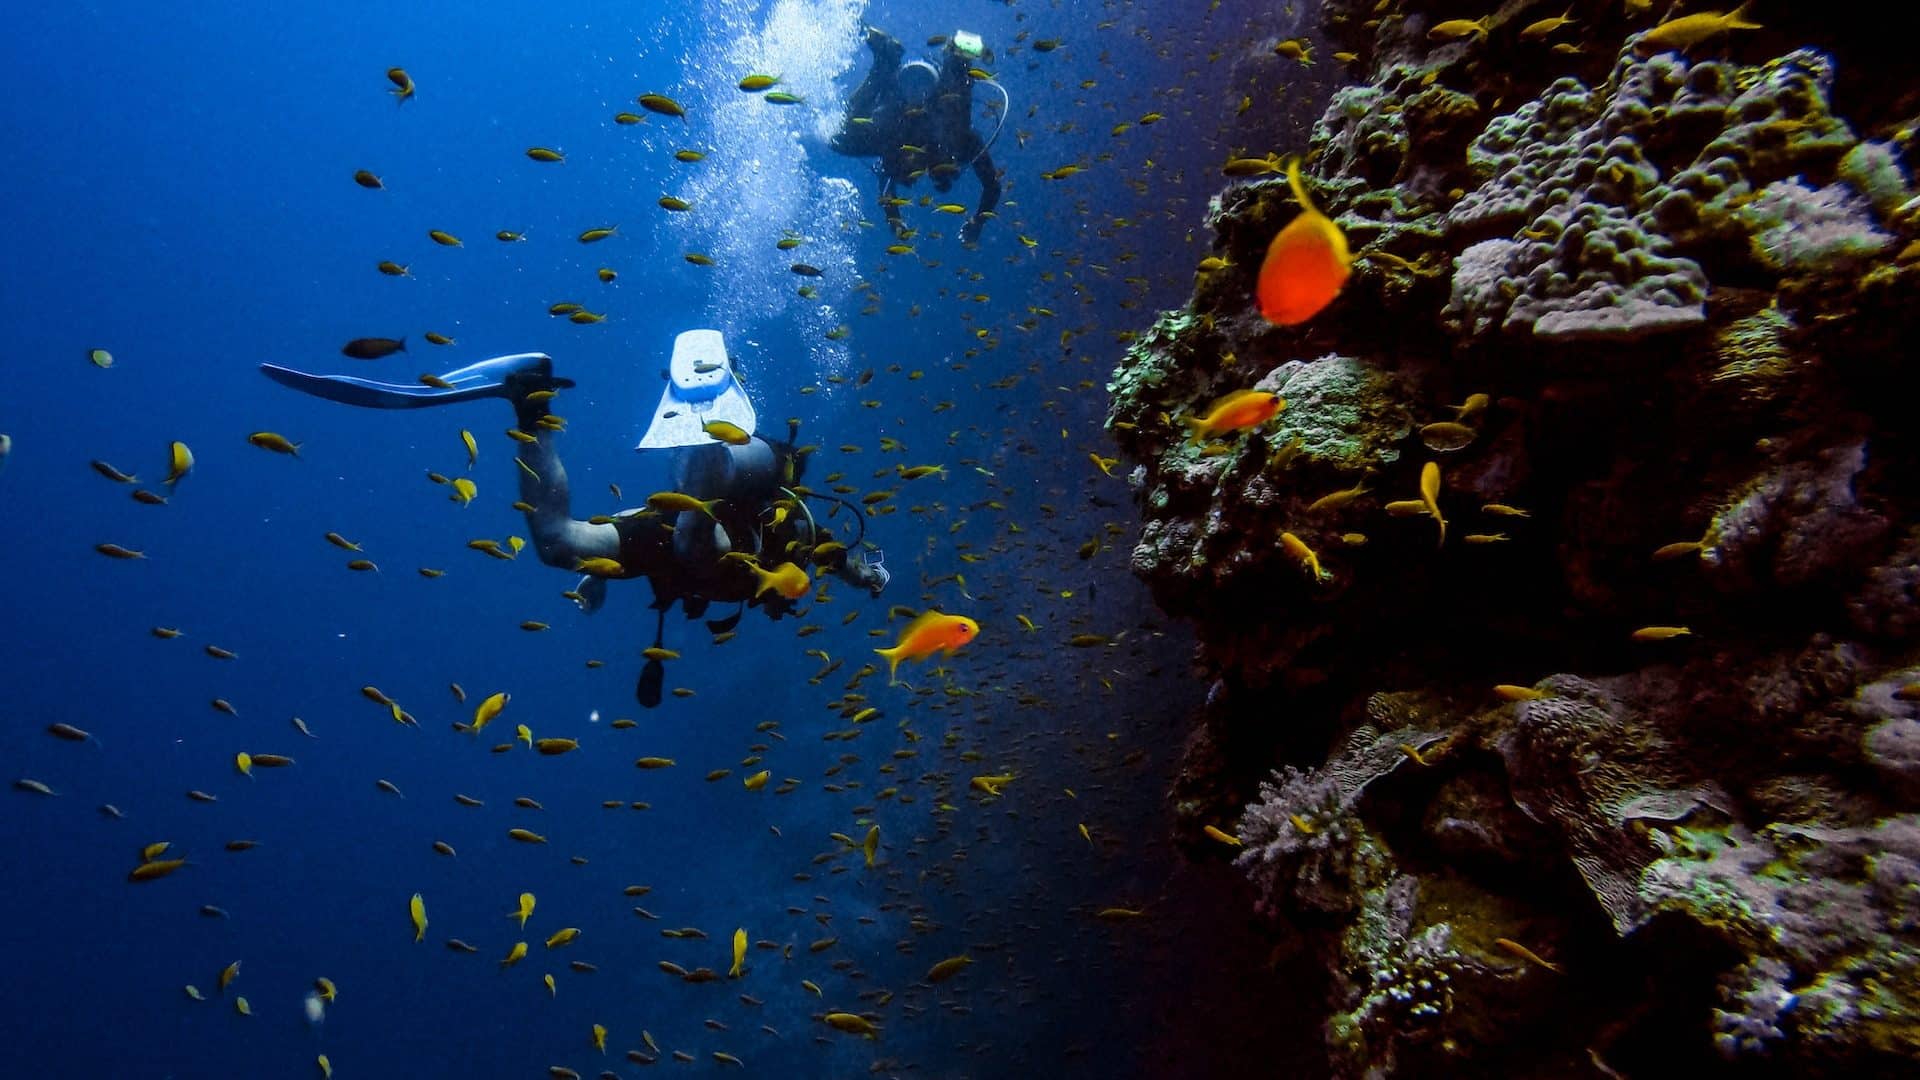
[
  {"x": 1639, "y": 316},
  {"x": 1827, "y": 917}
]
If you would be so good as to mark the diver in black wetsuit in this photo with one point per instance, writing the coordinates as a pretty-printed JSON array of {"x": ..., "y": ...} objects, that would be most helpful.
[
  {"x": 684, "y": 555},
  {"x": 918, "y": 120}
]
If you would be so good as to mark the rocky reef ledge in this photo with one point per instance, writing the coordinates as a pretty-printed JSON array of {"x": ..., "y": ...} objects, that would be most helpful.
[{"x": 1611, "y": 767}]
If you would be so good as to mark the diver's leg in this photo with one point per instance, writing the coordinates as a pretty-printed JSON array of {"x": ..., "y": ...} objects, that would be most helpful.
[
  {"x": 699, "y": 471},
  {"x": 879, "y": 89},
  {"x": 557, "y": 537}
]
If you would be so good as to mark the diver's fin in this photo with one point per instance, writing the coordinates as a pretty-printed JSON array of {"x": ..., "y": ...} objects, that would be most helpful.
[
  {"x": 653, "y": 677},
  {"x": 653, "y": 673},
  {"x": 508, "y": 377},
  {"x": 592, "y": 592},
  {"x": 721, "y": 626},
  {"x": 701, "y": 387}
]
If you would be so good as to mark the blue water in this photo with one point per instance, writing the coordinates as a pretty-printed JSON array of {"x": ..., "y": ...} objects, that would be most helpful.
[{"x": 179, "y": 192}]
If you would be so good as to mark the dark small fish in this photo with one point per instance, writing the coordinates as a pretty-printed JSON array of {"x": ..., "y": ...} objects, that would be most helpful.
[
  {"x": 804, "y": 270},
  {"x": 113, "y": 474},
  {"x": 373, "y": 348}
]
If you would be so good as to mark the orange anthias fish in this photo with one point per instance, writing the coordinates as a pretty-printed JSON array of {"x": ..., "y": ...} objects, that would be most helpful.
[
  {"x": 1306, "y": 264},
  {"x": 1238, "y": 410},
  {"x": 932, "y": 632}
]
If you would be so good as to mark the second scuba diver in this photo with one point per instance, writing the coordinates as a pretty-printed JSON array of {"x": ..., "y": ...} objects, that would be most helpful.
[
  {"x": 918, "y": 120},
  {"x": 748, "y": 541}
]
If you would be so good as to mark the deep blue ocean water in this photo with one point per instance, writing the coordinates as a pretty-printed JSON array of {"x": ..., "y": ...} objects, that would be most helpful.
[{"x": 180, "y": 193}]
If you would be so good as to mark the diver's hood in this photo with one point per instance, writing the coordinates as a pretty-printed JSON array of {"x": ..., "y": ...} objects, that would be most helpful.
[
  {"x": 701, "y": 387},
  {"x": 916, "y": 81}
]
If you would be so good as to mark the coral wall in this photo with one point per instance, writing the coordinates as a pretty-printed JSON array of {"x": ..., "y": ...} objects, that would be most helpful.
[{"x": 1618, "y": 769}]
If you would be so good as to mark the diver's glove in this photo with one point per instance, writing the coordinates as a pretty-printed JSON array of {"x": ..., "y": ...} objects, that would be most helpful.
[
  {"x": 868, "y": 573},
  {"x": 970, "y": 232}
]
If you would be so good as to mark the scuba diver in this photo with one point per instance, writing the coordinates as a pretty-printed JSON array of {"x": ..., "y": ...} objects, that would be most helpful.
[
  {"x": 732, "y": 530},
  {"x": 917, "y": 118}
]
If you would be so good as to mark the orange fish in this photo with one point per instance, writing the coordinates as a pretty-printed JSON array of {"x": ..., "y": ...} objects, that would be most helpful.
[
  {"x": 1306, "y": 264},
  {"x": 1238, "y": 410},
  {"x": 932, "y": 632}
]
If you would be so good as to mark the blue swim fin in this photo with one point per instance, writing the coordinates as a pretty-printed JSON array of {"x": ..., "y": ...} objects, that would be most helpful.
[{"x": 509, "y": 377}]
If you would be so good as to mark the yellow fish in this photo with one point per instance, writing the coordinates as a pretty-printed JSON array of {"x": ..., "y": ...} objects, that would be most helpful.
[
  {"x": 1689, "y": 30},
  {"x": 526, "y": 909},
  {"x": 673, "y": 502},
  {"x": 279, "y": 444},
  {"x": 948, "y": 968},
  {"x": 739, "y": 953},
  {"x": 731, "y": 434},
  {"x": 181, "y": 462},
  {"x": 488, "y": 709},
  {"x": 1455, "y": 29},
  {"x": 852, "y": 1024},
  {"x": 1430, "y": 495},
  {"x": 418, "y": 909},
  {"x": 1221, "y": 835},
  {"x": 1298, "y": 549},
  {"x": 786, "y": 579},
  {"x": 662, "y": 104}
]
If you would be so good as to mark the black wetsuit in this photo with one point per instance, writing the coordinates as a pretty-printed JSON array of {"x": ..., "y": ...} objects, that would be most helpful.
[
  {"x": 647, "y": 548},
  {"x": 935, "y": 140}
]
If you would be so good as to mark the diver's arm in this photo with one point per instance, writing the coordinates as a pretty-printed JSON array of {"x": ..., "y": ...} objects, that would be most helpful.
[
  {"x": 864, "y": 571},
  {"x": 558, "y": 538},
  {"x": 989, "y": 198}
]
